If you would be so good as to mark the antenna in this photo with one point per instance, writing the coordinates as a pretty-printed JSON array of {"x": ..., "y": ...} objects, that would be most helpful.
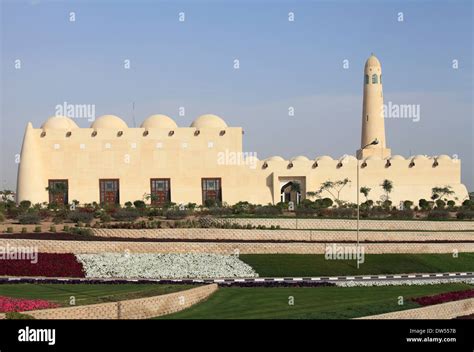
[{"x": 133, "y": 114}]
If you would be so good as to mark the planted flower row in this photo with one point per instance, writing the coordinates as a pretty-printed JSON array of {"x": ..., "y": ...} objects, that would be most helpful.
[
  {"x": 46, "y": 264},
  {"x": 9, "y": 304},
  {"x": 444, "y": 297},
  {"x": 126, "y": 265}
]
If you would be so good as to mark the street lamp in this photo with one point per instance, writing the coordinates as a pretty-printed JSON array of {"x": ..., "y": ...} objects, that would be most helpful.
[{"x": 374, "y": 142}]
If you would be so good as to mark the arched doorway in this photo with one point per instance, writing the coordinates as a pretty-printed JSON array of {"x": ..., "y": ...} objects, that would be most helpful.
[{"x": 291, "y": 192}]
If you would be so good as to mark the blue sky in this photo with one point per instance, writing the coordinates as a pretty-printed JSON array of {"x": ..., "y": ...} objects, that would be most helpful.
[{"x": 282, "y": 64}]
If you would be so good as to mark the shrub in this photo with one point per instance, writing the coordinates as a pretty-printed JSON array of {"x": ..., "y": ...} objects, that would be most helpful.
[
  {"x": 423, "y": 204},
  {"x": 37, "y": 229},
  {"x": 126, "y": 215},
  {"x": 206, "y": 222},
  {"x": 80, "y": 216},
  {"x": 176, "y": 214},
  {"x": 438, "y": 215},
  {"x": 9, "y": 229},
  {"x": 52, "y": 228},
  {"x": 25, "y": 204},
  {"x": 220, "y": 211},
  {"x": 81, "y": 231},
  {"x": 66, "y": 228},
  {"x": 155, "y": 212},
  {"x": 407, "y": 204},
  {"x": 243, "y": 208},
  {"x": 209, "y": 203},
  {"x": 342, "y": 212},
  {"x": 327, "y": 202},
  {"x": 18, "y": 316},
  {"x": 305, "y": 212},
  {"x": 465, "y": 215},
  {"x": 268, "y": 210},
  {"x": 139, "y": 204},
  {"x": 440, "y": 204},
  {"x": 402, "y": 214},
  {"x": 29, "y": 218},
  {"x": 104, "y": 217},
  {"x": 128, "y": 204},
  {"x": 451, "y": 203},
  {"x": 2, "y": 217},
  {"x": 24, "y": 230}
]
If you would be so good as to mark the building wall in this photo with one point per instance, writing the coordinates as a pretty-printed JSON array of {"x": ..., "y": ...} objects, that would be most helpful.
[{"x": 186, "y": 158}]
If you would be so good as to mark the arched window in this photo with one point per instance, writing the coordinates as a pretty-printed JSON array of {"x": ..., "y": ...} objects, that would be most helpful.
[
  {"x": 374, "y": 79},
  {"x": 366, "y": 79},
  {"x": 380, "y": 79}
]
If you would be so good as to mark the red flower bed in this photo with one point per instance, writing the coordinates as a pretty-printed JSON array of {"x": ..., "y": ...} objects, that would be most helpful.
[
  {"x": 8, "y": 304},
  {"x": 48, "y": 264},
  {"x": 444, "y": 297}
]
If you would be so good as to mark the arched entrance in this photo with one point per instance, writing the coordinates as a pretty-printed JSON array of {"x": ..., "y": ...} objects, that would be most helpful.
[{"x": 291, "y": 192}]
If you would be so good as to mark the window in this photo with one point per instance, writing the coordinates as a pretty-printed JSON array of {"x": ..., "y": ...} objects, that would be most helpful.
[
  {"x": 366, "y": 79},
  {"x": 211, "y": 189},
  {"x": 380, "y": 79},
  {"x": 58, "y": 191},
  {"x": 109, "y": 191},
  {"x": 374, "y": 79},
  {"x": 160, "y": 191}
]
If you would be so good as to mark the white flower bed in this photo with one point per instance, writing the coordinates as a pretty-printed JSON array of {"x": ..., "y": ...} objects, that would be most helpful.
[
  {"x": 414, "y": 282},
  {"x": 164, "y": 266}
]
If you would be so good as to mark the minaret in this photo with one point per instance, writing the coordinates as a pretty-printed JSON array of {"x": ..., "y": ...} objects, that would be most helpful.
[{"x": 373, "y": 124}]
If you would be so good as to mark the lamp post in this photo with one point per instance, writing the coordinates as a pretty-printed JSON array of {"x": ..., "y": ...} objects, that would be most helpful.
[{"x": 374, "y": 142}]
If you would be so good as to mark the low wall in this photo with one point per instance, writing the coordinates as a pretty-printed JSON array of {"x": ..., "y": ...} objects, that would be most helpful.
[
  {"x": 283, "y": 235},
  {"x": 449, "y": 310},
  {"x": 226, "y": 248},
  {"x": 351, "y": 224},
  {"x": 140, "y": 308}
]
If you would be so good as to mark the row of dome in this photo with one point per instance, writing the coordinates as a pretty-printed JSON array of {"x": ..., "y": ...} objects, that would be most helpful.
[{"x": 115, "y": 122}]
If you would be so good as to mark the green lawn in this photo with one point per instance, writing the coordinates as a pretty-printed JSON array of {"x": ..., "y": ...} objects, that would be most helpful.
[
  {"x": 87, "y": 293},
  {"x": 278, "y": 265},
  {"x": 309, "y": 303}
]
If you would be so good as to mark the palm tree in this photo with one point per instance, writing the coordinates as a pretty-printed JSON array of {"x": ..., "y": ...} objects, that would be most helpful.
[
  {"x": 365, "y": 191},
  {"x": 387, "y": 186}
]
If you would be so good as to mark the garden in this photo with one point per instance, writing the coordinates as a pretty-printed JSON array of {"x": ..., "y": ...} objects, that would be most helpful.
[{"x": 51, "y": 217}]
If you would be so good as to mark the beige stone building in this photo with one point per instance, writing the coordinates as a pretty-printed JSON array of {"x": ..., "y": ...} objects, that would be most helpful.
[{"x": 112, "y": 163}]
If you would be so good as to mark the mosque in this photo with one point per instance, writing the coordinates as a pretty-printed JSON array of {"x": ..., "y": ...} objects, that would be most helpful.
[{"x": 161, "y": 162}]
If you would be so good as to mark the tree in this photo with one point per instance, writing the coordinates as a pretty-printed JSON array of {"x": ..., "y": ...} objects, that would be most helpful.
[
  {"x": 334, "y": 188},
  {"x": 387, "y": 187},
  {"x": 441, "y": 192},
  {"x": 365, "y": 191}
]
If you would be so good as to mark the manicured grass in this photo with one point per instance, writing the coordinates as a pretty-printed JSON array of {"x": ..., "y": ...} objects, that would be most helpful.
[
  {"x": 278, "y": 265},
  {"x": 309, "y": 303},
  {"x": 87, "y": 293}
]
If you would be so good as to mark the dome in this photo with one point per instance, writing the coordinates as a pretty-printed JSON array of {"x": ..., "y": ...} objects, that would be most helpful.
[
  {"x": 323, "y": 158},
  {"x": 443, "y": 157},
  {"x": 420, "y": 157},
  {"x": 209, "y": 121},
  {"x": 397, "y": 157},
  {"x": 347, "y": 158},
  {"x": 300, "y": 158},
  {"x": 109, "y": 121},
  {"x": 159, "y": 121},
  {"x": 275, "y": 158},
  {"x": 59, "y": 123},
  {"x": 372, "y": 61}
]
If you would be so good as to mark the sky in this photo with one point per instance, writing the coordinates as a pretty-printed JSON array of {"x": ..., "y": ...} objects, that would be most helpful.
[{"x": 313, "y": 64}]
